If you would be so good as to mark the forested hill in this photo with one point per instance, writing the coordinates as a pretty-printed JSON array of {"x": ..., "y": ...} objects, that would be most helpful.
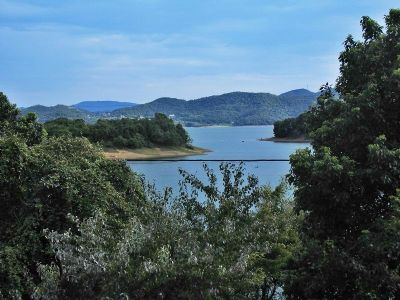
[
  {"x": 237, "y": 108},
  {"x": 47, "y": 113}
]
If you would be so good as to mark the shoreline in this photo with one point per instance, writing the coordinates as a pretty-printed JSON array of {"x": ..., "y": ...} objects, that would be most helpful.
[
  {"x": 152, "y": 153},
  {"x": 225, "y": 125},
  {"x": 301, "y": 139},
  {"x": 210, "y": 126}
]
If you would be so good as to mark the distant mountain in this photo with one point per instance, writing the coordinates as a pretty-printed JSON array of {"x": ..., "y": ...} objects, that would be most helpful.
[
  {"x": 297, "y": 99},
  {"x": 46, "y": 113},
  {"x": 165, "y": 105},
  {"x": 237, "y": 108},
  {"x": 102, "y": 106},
  {"x": 300, "y": 95}
]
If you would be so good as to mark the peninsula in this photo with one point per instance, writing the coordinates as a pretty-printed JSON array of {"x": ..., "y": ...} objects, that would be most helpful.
[{"x": 153, "y": 153}]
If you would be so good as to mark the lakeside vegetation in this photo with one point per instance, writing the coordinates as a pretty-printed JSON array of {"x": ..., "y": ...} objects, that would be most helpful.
[
  {"x": 159, "y": 131},
  {"x": 75, "y": 225},
  {"x": 291, "y": 128}
]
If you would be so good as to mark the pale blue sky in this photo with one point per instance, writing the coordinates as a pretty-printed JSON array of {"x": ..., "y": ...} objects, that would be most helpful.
[{"x": 55, "y": 51}]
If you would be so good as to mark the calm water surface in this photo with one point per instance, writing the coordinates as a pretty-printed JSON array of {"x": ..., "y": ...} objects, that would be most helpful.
[{"x": 225, "y": 143}]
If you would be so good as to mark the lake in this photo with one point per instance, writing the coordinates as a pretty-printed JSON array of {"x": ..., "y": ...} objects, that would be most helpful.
[{"x": 236, "y": 143}]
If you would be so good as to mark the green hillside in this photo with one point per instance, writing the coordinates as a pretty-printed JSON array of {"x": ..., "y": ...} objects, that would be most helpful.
[
  {"x": 237, "y": 108},
  {"x": 47, "y": 113}
]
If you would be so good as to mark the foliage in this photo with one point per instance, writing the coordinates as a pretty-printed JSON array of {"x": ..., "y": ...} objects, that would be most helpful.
[
  {"x": 124, "y": 133},
  {"x": 302, "y": 125},
  {"x": 248, "y": 232},
  {"x": 8, "y": 111},
  {"x": 74, "y": 225},
  {"x": 40, "y": 185},
  {"x": 232, "y": 244},
  {"x": 291, "y": 127},
  {"x": 42, "y": 181},
  {"x": 25, "y": 127},
  {"x": 348, "y": 185}
]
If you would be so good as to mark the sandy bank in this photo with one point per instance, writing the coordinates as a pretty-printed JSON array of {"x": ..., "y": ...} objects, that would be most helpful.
[{"x": 152, "y": 153}]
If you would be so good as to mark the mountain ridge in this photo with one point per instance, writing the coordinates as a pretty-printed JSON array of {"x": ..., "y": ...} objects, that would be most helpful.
[
  {"x": 234, "y": 108},
  {"x": 98, "y": 106}
]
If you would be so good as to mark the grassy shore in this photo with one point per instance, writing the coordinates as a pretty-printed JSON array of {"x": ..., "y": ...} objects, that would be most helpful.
[
  {"x": 152, "y": 153},
  {"x": 300, "y": 139}
]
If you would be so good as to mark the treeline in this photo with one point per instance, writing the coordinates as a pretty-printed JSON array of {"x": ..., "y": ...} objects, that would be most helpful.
[
  {"x": 123, "y": 133},
  {"x": 74, "y": 225},
  {"x": 291, "y": 127}
]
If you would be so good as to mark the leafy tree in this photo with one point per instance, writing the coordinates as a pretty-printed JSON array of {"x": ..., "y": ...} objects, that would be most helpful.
[
  {"x": 11, "y": 123},
  {"x": 207, "y": 244},
  {"x": 40, "y": 186},
  {"x": 348, "y": 185},
  {"x": 42, "y": 181},
  {"x": 248, "y": 232},
  {"x": 8, "y": 111}
]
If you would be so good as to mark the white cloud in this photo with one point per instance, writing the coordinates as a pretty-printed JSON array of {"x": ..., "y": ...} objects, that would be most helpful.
[{"x": 64, "y": 63}]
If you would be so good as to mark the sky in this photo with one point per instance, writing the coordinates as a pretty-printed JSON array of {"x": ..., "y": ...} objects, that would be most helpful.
[{"x": 62, "y": 52}]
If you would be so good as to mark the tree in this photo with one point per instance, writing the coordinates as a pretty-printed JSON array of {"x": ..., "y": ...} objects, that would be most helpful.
[
  {"x": 208, "y": 243},
  {"x": 8, "y": 111},
  {"x": 247, "y": 231},
  {"x": 348, "y": 185},
  {"x": 12, "y": 123},
  {"x": 42, "y": 182}
]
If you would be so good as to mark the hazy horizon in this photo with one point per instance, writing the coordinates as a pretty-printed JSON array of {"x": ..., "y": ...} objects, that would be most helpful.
[{"x": 138, "y": 51}]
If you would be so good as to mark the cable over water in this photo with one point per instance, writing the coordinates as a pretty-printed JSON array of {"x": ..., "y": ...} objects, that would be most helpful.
[{"x": 211, "y": 160}]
